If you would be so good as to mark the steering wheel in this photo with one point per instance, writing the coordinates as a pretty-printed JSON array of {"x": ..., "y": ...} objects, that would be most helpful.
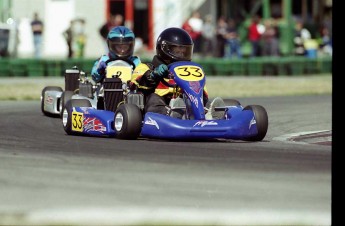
[{"x": 126, "y": 60}]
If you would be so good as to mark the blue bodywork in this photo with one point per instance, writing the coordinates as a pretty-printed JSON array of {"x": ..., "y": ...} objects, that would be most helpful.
[
  {"x": 94, "y": 122},
  {"x": 240, "y": 125}
]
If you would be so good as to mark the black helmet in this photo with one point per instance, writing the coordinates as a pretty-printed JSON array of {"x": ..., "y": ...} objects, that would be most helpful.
[{"x": 174, "y": 44}]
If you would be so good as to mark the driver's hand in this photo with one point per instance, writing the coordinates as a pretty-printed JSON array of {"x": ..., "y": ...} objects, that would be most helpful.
[
  {"x": 101, "y": 67},
  {"x": 161, "y": 71}
]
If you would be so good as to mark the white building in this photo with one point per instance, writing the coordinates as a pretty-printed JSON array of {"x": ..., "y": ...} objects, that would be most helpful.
[{"x": 57, "y": 14}]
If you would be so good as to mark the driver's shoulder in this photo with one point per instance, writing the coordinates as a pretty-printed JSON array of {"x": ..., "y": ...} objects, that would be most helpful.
[
  {"x": 104, "y": 58},
  {"x": 141, "y": 69}
]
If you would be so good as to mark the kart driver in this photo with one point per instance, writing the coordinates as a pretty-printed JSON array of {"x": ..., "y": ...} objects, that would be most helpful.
[
  {"x": 173, "y": 44},
  {"x": 120, "y": 42}
]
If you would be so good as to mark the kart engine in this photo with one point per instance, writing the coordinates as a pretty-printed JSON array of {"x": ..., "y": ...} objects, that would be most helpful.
[{"x": 72, "y": 79}]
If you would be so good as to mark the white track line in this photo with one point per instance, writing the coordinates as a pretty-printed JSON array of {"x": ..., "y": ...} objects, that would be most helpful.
[{"x": 169, "y": 216}]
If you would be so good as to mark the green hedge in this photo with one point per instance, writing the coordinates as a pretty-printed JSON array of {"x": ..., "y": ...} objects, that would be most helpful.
[
  {"x": 267, "y": 66},
  {"x": 213, "y": 66}
]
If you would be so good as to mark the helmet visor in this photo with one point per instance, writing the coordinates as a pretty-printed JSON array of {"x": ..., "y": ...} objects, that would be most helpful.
[
  {"x": 178, "y": 52},
  {"x": 121, "y": 49}
]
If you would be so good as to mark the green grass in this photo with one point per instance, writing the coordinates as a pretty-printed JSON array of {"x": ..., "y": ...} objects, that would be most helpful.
[{"x": 26, "y": 88}]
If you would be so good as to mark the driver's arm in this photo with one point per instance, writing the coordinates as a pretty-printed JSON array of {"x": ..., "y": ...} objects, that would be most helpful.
[
  {"x": 98, "y": 69},
  {"x": 142, "y": 79}
]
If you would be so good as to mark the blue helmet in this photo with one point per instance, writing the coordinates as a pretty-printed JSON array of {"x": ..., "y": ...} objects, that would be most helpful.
[{"x": 120, "y": 42}]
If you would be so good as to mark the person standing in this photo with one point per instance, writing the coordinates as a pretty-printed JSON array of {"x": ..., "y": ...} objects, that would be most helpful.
[
  {"x": 68, "y": 35},
  {"x": 221, "y": 31},
  {"x": 208, "y": 34},
  {"x": 232, "y": 41},
  {"x": 270, "y": 39},
  {"x": 301, "y": 36},
  {"x": 255, "y": 31},
  {"x": 193, "y": 26},
  {"x": 80, "y": 37},
  {"x": 37, "y": 30},
  {"x": 114, "y": 21}
]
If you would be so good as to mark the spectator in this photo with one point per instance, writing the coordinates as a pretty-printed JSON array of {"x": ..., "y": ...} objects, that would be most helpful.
[
  {"x": 270, "y": 40},
  {"x": 221, "y": 31},
  {"x": 194, "y": 27},
  {"x": 114, "y": 21},
  {"x": 301, "y": 36},
  {"x": 254, "y": 35},
  {"x": 37, "y": 30},
  {"x": 326, "y": 43},
  {"x": 68, "y": 35},
  {"x": 232, "y": 40},
  {"x": 80, "y": 37},
  {"x": 208, "y": 33}
]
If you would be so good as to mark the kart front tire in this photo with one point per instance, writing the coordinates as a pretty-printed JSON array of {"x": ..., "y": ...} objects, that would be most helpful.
[
  {"x": 127, "y": 122},
  {"x": 67, "y": 113},
  {"x": 232, "y": 102},
  {"x": 43, "y": 97},
  {"x": 261, "y": 119}
]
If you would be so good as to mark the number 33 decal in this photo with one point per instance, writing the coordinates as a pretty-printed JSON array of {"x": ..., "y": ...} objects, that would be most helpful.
[
  {"x": 189, "y": 73},
  {"x": 77, "y": 121}
]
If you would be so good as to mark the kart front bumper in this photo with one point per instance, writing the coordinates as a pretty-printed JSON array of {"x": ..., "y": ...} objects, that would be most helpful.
[{"x": 239, "y": 127}]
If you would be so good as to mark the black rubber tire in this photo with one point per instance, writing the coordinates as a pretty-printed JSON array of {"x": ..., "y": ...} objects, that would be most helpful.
[
  {"x": 48, "y": 88},
  {"x": 232, "y": 102},
  {"x": 130, "y": 127},
  {"x": 67, "y": 113},
  {"x": 261, "y": 118},
  {"x": 65, "y": 97}
]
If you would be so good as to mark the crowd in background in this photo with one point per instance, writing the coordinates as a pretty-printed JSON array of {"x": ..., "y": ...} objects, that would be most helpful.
[
  {"x": 74, "y": 35},
  {"x": 224, "y": 39},
  {"x": 220, "y": 38}
]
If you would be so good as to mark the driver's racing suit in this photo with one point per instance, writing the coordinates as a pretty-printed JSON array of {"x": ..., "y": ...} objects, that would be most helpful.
[{"x": 157, "y": 95}]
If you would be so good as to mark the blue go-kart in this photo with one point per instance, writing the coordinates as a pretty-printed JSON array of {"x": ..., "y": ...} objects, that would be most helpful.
[{"x": 129, "y": 121}]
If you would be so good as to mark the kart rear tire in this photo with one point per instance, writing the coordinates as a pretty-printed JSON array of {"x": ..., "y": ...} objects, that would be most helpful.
[
  {"x": 127, "y": 122},
  {"x": 43, "y": 97},
  {"x": 65, "y": 97},
  {"x": 67, "y": 113},
  {"x": 261, "y": 118}
]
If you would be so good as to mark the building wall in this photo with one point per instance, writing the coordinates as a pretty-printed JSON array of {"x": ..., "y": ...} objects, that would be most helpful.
[
  {"x": 94, "y": 13},
  {"x": 56, "y": 16}
]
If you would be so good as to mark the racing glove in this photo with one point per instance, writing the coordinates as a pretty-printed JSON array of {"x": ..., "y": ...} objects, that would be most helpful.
[
  {"x": 101, "y": 68},
  {"x": 98, "y": 74},
  {"x": 160, "y": 72}
]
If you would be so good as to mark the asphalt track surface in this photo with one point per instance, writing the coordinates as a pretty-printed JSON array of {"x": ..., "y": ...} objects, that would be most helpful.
[{"x": 50, "y": 178}]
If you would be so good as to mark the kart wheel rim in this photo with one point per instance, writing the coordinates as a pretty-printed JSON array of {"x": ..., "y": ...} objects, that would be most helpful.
[
  {"x": 64, "y": 117},
  {"x": 118, "y": 122}
]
